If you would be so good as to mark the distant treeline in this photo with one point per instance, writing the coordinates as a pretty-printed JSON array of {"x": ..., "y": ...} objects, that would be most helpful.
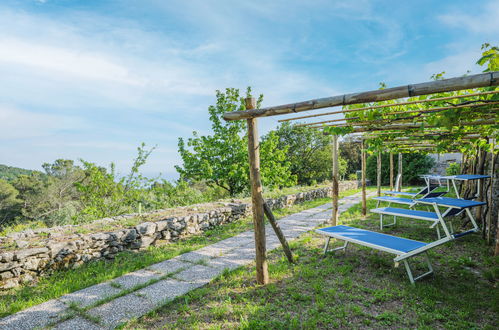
[{"x": 10, "y": 173}]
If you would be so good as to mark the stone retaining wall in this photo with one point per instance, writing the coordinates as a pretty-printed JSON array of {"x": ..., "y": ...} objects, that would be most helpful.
[{"x": 24, "y": 265}]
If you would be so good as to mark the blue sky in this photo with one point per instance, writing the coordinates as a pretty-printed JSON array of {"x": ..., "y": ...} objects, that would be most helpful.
[{"x": 93, "y": 79}]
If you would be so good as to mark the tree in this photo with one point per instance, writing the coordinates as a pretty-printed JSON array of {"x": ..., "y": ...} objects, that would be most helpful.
[
  {"x": 308, "y": 152},
  {"x": 33, "y": 194},
  {"x": 9, "y": 203},
  {"x": 350, "y": 151},
  {"x": 413, "y": 165},
  {"x": 102, "y": 194},
  {"x": 221, "y": 159}
]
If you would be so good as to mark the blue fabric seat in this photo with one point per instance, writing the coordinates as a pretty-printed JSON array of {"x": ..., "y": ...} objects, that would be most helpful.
[
  {"x": 392, "y": 199},
  {"x": 451, "y": 202},
  {"x": 405, "y": 213},
  {"x": 372, "y": 239}
]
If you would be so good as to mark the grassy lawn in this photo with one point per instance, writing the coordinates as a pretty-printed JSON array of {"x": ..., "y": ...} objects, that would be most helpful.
[
  {"x": 352, "y": 289},
  {"x": 67, "y": 281}
]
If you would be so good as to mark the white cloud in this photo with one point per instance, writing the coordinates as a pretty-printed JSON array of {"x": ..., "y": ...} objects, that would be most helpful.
[
  {"x": 487, "y": 22},
  {"x": 457, "y": 64},
  {"x": 64, "y": 61},
  {"x": 21, "y": 124}
]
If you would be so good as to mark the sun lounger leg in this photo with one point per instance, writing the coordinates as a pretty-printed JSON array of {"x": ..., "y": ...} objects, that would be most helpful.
[
  {"x": 412, "y": 279},
  {"x": 327, "y": 244},
  {"x": 344, "y": 247},
  {"x": 387, "y": 225},
  {"x": 409, "y": 272}
]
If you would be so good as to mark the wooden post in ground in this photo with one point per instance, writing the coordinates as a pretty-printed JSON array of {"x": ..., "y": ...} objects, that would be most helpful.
[
  {"x": 334, "y": 218},
  {"x": 490, "y": 200},
  {"x": 278, "y": 232},
  {"x": 391, "y": 171},
  {"x": 399, "y": 187},
  {"x": 262, "y": 273},
  {"x": 363, "y": 173},
  {"x": 378, "y": 174}
]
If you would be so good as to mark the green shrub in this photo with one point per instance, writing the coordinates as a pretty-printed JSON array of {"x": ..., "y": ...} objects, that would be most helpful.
[
  {"x": 352, "y": 176},
  {"x": 453, "y": 169}
]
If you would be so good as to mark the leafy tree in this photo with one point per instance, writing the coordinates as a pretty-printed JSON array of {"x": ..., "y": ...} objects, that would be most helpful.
[
  {"x": 350, "y": 151},
  {"x": 32, "y": 194},
  {"x": 308, "y": 152},
  {"x": 63, "y": 175},
  {"x": 102, "y": 194},
  {"x": 221, "y": 159},
  {"x": 9, "y": 203},
  {"x": 413, "y": 165}
]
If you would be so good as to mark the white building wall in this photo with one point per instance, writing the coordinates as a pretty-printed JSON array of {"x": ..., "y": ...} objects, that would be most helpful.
[{"x": 442, "y": 161}]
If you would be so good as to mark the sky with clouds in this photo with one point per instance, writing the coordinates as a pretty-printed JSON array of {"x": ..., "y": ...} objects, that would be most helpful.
[{"x": 93, "y": 79}]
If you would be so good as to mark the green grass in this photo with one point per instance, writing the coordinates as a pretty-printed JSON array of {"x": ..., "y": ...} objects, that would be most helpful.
[
  {"x": 358, "y": 288},
  {"x": 67, "y": 281}
]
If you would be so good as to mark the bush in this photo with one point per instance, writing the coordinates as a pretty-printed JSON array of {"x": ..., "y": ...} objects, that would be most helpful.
[
  {"x": 352, "y": 176},
  {"x": 453, "y": 169}
]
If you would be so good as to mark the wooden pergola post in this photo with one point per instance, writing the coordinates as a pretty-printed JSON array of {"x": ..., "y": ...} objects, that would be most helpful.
[
  {"x": 262, "y": 273},
  {"x": 399, "y": 186},
  {"x": 378, "y": 174},
  {"x": 363, "y": 173},
  {"x": 391, "y": 171},
  {"x": 334, "y": 218}
]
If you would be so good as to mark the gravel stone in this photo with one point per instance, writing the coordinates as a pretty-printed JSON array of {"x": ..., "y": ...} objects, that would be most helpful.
[
  {"x": 90, "y": 295},
  {"x": 198, "y": 274},
  {"x": 163, "y": 291},
  {"x": 133, "y": 279},
  {"x": 35, "y": 317},
  {"x": 78, "y": 323},
  {"x": 120, "y": 310},
  {"x": 170, "y": 266}
]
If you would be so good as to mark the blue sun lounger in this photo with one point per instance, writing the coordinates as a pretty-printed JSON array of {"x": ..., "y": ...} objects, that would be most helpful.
[
  {"x": 465, "y": 177},
  {"x": 454, "y": 206},
  {"x": 404, "y": 248}
]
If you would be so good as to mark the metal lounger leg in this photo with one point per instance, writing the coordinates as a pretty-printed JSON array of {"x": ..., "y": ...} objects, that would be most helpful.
[
  {"x": 387, "y": 225},
  {"x": 327, "y": 244},
  {"x": 409, "y": 272},
  {"x": 344, "y": 247},
  {"x": 412, "y": 279}
]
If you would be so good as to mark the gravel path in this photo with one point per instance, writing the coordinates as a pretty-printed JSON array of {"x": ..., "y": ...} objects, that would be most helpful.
[{"x": 107, "y": 305}]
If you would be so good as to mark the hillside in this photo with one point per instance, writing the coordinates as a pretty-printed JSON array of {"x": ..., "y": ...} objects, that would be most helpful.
[{"x": 9, "y": 173}]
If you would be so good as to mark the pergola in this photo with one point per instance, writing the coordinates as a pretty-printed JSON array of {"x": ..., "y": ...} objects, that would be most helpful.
[{"x": 391, "y": 123}]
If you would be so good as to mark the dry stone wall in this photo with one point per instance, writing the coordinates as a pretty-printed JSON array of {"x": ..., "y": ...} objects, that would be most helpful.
[{"x": 26, "y": 263}]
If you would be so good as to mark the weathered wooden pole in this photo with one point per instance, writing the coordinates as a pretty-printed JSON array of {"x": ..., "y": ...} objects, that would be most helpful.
[
  {"x": 378, "y": 174},
  {"x": 490, "y": 199},
  {"x": 363, "y": 174},
  {"x": 262, "y": 273},
  {"x": 391, "y": 170},
  {"x": 399, "y": 186},
  {"x": 278, "y": 232},
  {"x": 334, "y": 218},
  {"x": 431, "y": 87}
]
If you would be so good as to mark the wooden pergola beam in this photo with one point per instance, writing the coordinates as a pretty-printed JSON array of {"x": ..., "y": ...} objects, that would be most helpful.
[
  {"x": 413, "y": 112},
  {"x": 399, "y": 127},
  {"x": 467, "y": 82},
  {"x": 389, "y": 105}
]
